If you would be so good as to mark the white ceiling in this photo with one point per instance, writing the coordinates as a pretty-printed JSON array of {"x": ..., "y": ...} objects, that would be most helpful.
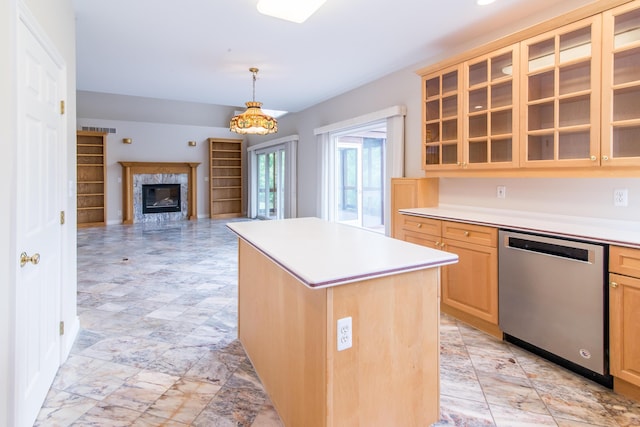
[{"x": 201, "y": 50}]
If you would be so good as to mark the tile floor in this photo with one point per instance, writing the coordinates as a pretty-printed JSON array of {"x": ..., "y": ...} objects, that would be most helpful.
[{"x": 157, "y": 347}]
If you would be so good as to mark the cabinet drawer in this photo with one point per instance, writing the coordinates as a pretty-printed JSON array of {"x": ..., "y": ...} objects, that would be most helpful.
[
  {"x": 428, "y": 240},
  {"x": 624, "y": 261},
  {"x": 478, "y": 234},
  {"x": 421, "y": 225}
]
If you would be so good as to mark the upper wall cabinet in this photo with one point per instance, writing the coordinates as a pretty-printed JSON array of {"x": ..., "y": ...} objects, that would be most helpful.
[
  {"x": 621, "y": 86},
  {"x": 442, "y": 112},
  {"x": 491, "y": 110},
  {"x": 471, "y": 114},
  {"x": 561, "y": 96}
]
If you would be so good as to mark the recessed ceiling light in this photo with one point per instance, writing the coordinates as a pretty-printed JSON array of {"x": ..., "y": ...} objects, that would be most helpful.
[
  {"x": 484, "y": 2},
  {"x": 291, "y": 10}
]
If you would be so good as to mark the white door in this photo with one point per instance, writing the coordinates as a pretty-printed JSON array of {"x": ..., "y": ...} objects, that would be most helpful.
[{"x": 40, "y": 152}]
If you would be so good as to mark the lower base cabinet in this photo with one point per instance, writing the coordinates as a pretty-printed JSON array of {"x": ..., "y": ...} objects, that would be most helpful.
[
  {"x": 470, "y": 287},
  {"x": 624, "y": 319}
]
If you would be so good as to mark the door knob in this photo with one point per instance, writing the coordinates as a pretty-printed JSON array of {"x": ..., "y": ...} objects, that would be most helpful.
[{"x": 24, "y": 258}]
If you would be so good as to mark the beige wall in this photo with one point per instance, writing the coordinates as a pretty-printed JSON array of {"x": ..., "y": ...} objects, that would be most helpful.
[
  {"x": 155, "y": 142},
  {"x": 591, "y": 197},
  {"x": 585, "y": 196}
]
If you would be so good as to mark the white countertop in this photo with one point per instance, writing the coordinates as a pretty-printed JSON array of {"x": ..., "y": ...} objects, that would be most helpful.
[
  {"x": 323, "y": 254},
  {"x": 624, "y": 233}
]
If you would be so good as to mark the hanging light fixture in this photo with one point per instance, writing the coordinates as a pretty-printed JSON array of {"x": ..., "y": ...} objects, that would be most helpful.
[{"x": 253, "y": 121}]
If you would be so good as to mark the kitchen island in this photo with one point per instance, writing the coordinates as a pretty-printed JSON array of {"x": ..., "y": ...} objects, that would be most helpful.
[{"x": 300, "y": 281}]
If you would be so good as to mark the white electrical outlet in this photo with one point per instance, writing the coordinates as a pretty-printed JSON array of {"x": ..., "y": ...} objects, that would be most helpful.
[
  {"x": 501, "y": 192},
  {"x": 344, "y": 333},
  {"x": 620, "y": 197}
]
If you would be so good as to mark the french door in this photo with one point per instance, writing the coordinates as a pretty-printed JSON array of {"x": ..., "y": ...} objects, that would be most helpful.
[
  {"x": 271, "y": 183},
  {"x": 359, "y": 178}
]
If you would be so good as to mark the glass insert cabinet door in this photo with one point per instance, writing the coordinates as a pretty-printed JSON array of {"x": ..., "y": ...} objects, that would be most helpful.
[
  {"x": 442, "y": 131},
  {"x": 560, "y": 80},
  {"x": 491, "y": 110},
  {"x": 621, "y": 86}
]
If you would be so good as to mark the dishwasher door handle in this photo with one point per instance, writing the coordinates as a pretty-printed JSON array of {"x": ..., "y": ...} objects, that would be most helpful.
[{"x": 550, "y": 247}]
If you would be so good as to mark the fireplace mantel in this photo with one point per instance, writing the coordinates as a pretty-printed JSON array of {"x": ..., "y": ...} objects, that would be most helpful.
[{"x": 132, "y": 168}]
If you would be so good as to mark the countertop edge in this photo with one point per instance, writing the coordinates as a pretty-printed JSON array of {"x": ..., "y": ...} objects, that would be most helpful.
[
  {"x": 560, "y": 228},
  {"x": 432, "y": 263}
]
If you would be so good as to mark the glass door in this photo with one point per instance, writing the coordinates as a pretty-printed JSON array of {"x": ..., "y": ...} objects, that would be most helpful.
[
  {"x": 349, "y": 183},
  {"x": 270, "y": 184},
  {"x": 359, "y": 179}
]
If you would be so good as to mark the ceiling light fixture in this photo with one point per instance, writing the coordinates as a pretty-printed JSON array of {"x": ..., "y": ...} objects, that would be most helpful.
[
  {"x": 253, "y": 121},
  {"x": 290, "y": 10}
]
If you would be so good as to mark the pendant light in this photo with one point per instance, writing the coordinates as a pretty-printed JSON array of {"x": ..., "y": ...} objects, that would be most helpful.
[{"x": 253, "y": 121}]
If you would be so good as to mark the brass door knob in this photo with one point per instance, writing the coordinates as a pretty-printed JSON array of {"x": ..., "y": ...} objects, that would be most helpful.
[
  {"x": 613, "y": 284},
  {"x": 24, "y": 258},
  {"x": 419, "y": 225},
  {"x": 466, "y": 234}
]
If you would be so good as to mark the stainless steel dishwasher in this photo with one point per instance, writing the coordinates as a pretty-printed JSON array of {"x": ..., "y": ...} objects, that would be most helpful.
[{"x": 553, "y": 300}]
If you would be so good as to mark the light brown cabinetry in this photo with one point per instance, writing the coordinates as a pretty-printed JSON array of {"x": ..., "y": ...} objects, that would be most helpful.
[
  {"x": 442, "y": 131},
  {"x": 624, "y": 318},
  {"x": 575, "y": 84},
  {"x": 491, "y": 110},
  {"x": 91, "y": 178},
  {"x": 225, "y": 178},
  {"x": 410, "y": 193},
  {"x": 621, "y": 86},
  {"x": 469, "y": 287},
  {"x": 561, "y": 96}
]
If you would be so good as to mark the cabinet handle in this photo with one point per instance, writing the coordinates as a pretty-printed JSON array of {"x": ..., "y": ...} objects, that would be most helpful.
[
  {"x": 419, "y": 225},
  {"x": 605, "y": 158},
  {"x": 442, "y": 245},
  {"x": 593, "y": 158},
  {"x": 437, "y": 244},
  {"x": 613, "y": 284},
  {"x": 466, "y": 234}
]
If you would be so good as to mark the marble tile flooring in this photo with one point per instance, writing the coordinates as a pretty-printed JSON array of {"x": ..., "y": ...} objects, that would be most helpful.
[{"x": 158, "y": 347}]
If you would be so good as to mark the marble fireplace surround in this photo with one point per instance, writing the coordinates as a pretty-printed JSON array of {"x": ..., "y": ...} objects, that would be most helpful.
[{"x": 129, "y": 169}]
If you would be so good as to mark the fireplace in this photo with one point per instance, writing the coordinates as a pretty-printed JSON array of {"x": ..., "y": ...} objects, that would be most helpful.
[
  {"x": 157, "y": 198},
  {"x": 136, "y": 174}
]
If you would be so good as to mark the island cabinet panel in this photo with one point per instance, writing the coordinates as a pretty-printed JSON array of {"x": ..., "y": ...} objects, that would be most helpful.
[
  {"x": 389, "y": 377},
  {"x": 624, "y": 319}
]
